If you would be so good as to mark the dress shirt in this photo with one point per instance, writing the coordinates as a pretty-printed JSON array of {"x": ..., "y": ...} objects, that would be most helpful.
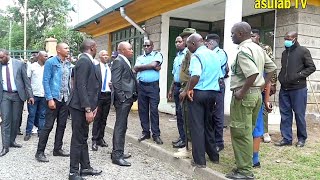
[
  {"x": 4, "y": 77},
  {"x": 103, "y": 68}
]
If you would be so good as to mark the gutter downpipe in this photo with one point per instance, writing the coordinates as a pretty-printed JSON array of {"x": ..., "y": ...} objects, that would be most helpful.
[{"x": 123, "y": 14}]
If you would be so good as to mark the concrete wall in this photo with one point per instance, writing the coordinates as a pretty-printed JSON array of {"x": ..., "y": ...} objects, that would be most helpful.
[
  {"x": 102, "y": 42},
  {"x": 306, "y": 23}
]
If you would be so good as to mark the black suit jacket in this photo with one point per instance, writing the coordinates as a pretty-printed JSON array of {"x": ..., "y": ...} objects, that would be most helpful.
[
  {"x": 87, "y": 85},
  {"x": 123, "y": 80}
]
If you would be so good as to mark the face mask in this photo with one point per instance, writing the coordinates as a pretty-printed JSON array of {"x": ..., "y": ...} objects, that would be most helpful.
[{"x": 289, "y": 43}]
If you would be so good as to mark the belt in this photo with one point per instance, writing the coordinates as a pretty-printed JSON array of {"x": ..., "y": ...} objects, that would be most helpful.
[
  {"x": 10, "y": 92},
  {"x": 105, "y": 93},
  {"x": 250, "y": 90},
  {"x": 149, "y": 83}
]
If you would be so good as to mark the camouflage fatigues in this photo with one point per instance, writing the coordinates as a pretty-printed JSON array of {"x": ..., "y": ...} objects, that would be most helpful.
[{"x": 268, "y": 50}]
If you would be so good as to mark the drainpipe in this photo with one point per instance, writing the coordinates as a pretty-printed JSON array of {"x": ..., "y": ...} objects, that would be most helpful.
[{"x": 123, "y": 14}]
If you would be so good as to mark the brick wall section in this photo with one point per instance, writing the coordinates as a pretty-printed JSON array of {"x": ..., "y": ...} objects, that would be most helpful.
[
  {"x": 306, "y": 23},
  {"x": 153, "y": 27},
  {"x": 102, "y": 42}
]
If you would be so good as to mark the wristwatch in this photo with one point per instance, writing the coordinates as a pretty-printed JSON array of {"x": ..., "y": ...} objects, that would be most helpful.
[{"x": 88, "y": 110}]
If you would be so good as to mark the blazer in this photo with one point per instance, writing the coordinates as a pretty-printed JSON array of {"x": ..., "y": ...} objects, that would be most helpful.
[
  {"x": 20, "y": 79},
  {"x": 87, "y": 85},
  {"x": 123, "y": 81}
]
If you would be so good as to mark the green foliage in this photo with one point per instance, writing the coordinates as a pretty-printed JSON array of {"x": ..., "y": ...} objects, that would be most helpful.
[{"x": 45, "y": 18}]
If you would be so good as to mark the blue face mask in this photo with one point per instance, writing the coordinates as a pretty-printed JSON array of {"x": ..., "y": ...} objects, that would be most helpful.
[{"x": 289, "y": 43}]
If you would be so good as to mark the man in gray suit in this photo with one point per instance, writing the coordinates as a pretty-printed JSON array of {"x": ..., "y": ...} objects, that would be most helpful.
[{"x": 15, "y": 89}]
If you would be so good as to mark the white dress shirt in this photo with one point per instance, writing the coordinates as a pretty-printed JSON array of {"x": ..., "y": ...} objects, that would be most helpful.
[
  {"x": 35, "y": 73},
  {"x": 4, "y": 77},
  {"x": 103, "y": 68}
]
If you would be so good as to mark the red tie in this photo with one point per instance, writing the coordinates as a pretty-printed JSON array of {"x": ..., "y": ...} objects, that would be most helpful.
[{"x": 9, "y": 88}]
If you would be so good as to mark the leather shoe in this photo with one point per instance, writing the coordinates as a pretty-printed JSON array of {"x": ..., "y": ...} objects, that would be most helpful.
[
  {"x": 94, "y": 146},
  {"x": 179, "y": 144},
  {"x": 90, "y": 171},
  {"x": 126, "y": 156},
  {"x": 75, "y": 176},
  {"x": 300, "y": 144},
  {"x": 121, "y": 162},
  {"x": 15, "y": 145},
  {"x": 237, "y": 175},
  {"x": 41, "y": 157},
  {"x": 19, "y": 133},
  {"x": 4, "y": 151},
  {"x": 283, "y": 143},
  {"x": 27, "y": 137},
  {"x": 157, "y": 140},
  {"x": 219, "y": 148},
  {"x": 102, "y": 143},
  {"x": 60, "y": 152},
  {"x": 176, "y": 141},
  {"x": 144, "y": 137},
  {"x": 256, "y": 165}
]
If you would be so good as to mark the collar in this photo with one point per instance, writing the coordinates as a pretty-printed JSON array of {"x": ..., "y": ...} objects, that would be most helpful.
[
  {"x": 150, "y": 54},
  {"x": 125, "y": 58},
  {"x": 295, "y": 45},
  {"x": 216, "y": 49},
  {"x": 184, "y": 51},
  {"x": 201, "y": 47},
  {"x": 89, "y": 55},
  {"x": 244, "y": 42}
]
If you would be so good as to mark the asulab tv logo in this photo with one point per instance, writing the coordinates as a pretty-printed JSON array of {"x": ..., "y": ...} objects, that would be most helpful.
[{"x": 279, "y": 4}]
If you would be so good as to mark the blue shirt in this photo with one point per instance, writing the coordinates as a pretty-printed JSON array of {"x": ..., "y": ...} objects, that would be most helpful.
[
  {"x": 223, "y": 59},
  {"x": 206, "y": 64},
  {"x": 149, "y": 75},
  {"x": 177, "y": 63}
]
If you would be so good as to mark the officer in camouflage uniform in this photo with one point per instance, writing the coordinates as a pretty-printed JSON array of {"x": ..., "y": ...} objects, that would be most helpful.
[
  {"x": 184, "y": 78},
  {"x": 246, "y": 83},
  {"x": 256, "y": 38}
]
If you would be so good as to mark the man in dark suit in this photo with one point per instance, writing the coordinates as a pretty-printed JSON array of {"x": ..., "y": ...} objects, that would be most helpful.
[
  {"x": 15, "y": 89},
  {"x": 125, "y": 91},
  {"x": 83, "y": 104}
]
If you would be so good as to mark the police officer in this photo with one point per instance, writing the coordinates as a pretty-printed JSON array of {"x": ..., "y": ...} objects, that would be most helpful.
[
  {"x": 175, "y": 91},
  {"x": 212, "y": 42},
  {"x": 147, "y": 67},
  {"x": 246, "y": 83}
]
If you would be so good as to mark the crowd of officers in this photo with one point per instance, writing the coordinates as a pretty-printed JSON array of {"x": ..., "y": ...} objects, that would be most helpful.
[{"x": 198, "y": 90}]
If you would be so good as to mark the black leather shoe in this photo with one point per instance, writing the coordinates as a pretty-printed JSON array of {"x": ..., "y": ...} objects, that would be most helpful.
[
  {"x": 61, "y": 153},
  {"x": 41, "y": 157},
  {"x": 19, "y": 133},
  {"x": 4, "y": 151},
  {"x": 300, "y": 143},
  {"x": 256, "y": 165},
  {"x": 176, "y": 141},
  {"x": 102, "y": 143},
  {"x": 15, "y": 145},
  {"x": 283, "y": 143},
  {"x": 27, "y": 137},
  {"x": 75, "y": 176},
  {"x": 197, "y": 165},
  {"x": 94, "y": 146},
  {"x": 90, "y": 171},
  {"x": 237, "y": 175},
  {"x": 220, "y": 148},
  {"x": 179, "y": 144},
  {"x": 144, "y": 137},
  {"x": 126, "y": 156},
  {"x": 157, "y": 140},
  {"x": 121, "y": 162}
]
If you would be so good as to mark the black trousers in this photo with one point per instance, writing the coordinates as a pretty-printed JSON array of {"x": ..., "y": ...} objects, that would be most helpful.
[
  {"x": 201, "y": 126},
  {"x": 61, "y": 114},
  {"x": 120, "y": 127},
  {"x": 79, "y": 147},
  {"x": 100, "y": 121},
  {"x": 218, "y": 116}
]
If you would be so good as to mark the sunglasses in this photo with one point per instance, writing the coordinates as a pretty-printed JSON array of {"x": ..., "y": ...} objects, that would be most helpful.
[{"x": 146, "y": 45}]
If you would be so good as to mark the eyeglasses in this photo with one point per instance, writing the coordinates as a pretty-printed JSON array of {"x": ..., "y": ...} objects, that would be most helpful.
[{"x": 146, "y": 45}]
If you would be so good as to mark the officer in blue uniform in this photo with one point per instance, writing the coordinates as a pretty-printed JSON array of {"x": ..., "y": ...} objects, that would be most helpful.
[
  {"x": 147, "y": 67},
  {"x": 202, "y": 92}
]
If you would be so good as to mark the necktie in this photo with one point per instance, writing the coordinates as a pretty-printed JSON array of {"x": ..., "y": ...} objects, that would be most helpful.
[
  {"x": 105, "y": 81},
  {"x": 9, "y": 88}
]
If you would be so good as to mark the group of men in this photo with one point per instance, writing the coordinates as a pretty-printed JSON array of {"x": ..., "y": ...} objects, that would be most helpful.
[{"x": 54, "y": 89}]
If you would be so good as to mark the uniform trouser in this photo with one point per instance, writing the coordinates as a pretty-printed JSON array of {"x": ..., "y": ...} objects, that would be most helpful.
[
  {"x": 120, "y": 127},
  {"x": 243, "y": 115},
  {"x": 180, "y": 123},
  {"x": 100, "y": 121},
  {"x": 201, "y": 126},
  {"x": 79, "y": 154},
  {"x": 61, "y": 113},
  {"x": 295, "y": 100},
  {"x": 186, "y": 122},
  {"x": 218, "y": 118},
  {"x": 11, "y": 110},
  {"x": 148, "y": 101}
]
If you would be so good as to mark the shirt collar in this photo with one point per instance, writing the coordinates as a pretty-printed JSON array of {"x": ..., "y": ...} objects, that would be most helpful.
[
  {"x": 201, "y": 47},
  {"x": 150, "y": 54},
  {"x": 244, "y": 42},
  {"x": 89, "y": 55}
]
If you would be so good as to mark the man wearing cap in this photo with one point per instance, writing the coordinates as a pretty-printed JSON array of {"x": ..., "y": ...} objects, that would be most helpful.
[
  {"x": 147, "y": 67},
  {"x": 212, "y": 43},
  {"x": 184, "y": 78}
]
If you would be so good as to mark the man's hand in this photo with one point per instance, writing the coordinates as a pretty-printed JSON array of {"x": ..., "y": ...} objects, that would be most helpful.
[
  {"x": 268, "y": 106},
  {"x": 239, "y": 94},
  {"x": 89, "y": 117},
  {"x": 182, "y": 96},
  {"x": 170, "y": 95},
  {"x": 157, "y": 68},
  {"x": 190, "y": 95},
  {"x": 273, "y": 89},
  {"x": 31, "y": 101},
  {"x": 95, "y": 112},
  {"x": 51, "y": 104}
]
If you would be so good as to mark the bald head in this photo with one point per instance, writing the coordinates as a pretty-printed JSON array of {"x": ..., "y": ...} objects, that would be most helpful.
[
  {"x": 63, "y": 51},
  {"x": 42, "y": 57},
  {"x": 194, "y": 41},
  {"x": 89, "y": 46},
  {"x": 125, "y": 49},
  {"x": 240, "y": 32}
]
